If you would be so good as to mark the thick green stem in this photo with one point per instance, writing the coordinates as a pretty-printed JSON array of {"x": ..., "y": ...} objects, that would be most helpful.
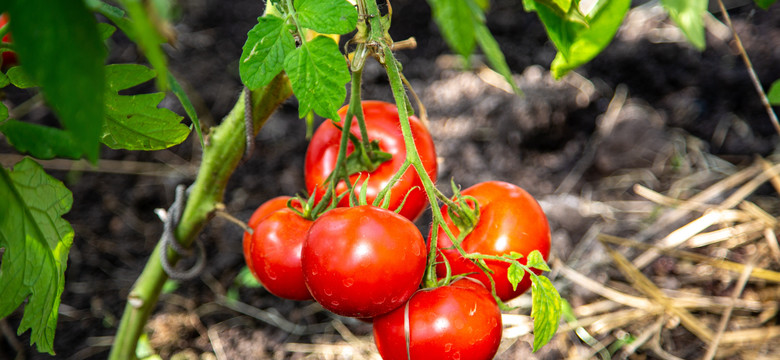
[{"x": 220, "y": 158}]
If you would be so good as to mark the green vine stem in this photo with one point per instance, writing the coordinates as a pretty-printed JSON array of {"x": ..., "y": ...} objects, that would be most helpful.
[{"x": 221, "y": 156}]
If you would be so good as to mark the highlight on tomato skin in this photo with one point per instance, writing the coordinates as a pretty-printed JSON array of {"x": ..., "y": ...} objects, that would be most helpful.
[
  {"x": 458, "y": 321},
  {"x": 383, "y": 124},
  {"x": 363, "y": 261},
  {"x": 510, "y": 220}
]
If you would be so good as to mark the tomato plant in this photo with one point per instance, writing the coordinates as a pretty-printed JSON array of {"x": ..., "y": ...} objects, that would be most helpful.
[
  {"x": 458, "y": 321},
  {"x": 509, "y": 220},
  {"x": 9, "y": 57},
  {"x": 363, "y": 261},
  {"x": 382, "y": 124},
  {"x": 273, "y": 252}
]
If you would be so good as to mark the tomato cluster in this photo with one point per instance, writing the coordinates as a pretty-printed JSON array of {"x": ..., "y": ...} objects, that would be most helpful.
[{"x": 368, "y": 262}]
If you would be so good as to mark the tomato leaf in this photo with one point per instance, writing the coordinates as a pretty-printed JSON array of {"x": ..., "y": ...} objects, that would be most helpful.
[
  {"x": 266, "y": 46},
  {"x": 134, "y": 122},
  {"x": 327, "y": 16},
  {"x": 515, "y": 274},
  {"x": 536, "y": 261},
  {"x": 187, "y": 105},
  {"x": 578, "y": 43},
  {"x": 318, "y": 75},
  {"x": 59, "y": 44},
  {"x": 495, "y": 57},
  {"x": 546, "y": 310},
  {"x": 148, "y": 38},
  {"x": 764, "y": 4},
  {"x": 106, "y": 30},
  {"x": 4, "y": 80},
  {"x": 26, "y": 138},
  {"x": 456, "y": 22},
  {"x": 36, "y": 241},
  {"x": 689, "y": 16},
  {"x": 19, "y": 78},
  {"x": 3, "y": 112},
  {"x": 774, "y": 93}
]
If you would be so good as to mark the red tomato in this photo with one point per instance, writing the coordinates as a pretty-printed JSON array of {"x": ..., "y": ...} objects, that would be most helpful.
[
  {"x": 267, "y": 208},
  {"x": 459, "y": 321},
  {"x": 9, "y": 57},
  {"x": 510, "y": 219},
  {"x": 382, "y": 124},
  {"x": 363, "y": 261},
  {"x": 273, "y": 252}
]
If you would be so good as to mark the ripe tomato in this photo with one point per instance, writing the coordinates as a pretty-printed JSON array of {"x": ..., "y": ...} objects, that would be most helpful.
[
  {"x": 9, "y": 57},
  {"x": 382, "y": 123},
  {"x": 273, "y": 252},
  {"x": 267, "y": 208},
  {"x": 459, "y": 321},
  {"x": 363, "y": 261},
  {"x": 510, "y": 219}
]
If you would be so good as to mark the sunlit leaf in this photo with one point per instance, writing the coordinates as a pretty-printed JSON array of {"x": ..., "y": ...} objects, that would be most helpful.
[
  {"x": 546, "y": 310},
  {"x": 265, "y": 49},
  {"x": 318, "y": 75},
  {"x": 327, "y": 16}
]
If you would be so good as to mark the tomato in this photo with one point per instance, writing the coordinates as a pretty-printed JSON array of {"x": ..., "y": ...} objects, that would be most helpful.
[
  {"x": 273, "y": 252},
  {"x": 363, "y": 261},
  {"x": 382, "y": 124},
  {"x": 459, "y": 321},
  {"x": 510, "y": 220},
  {"x": 9, "y": 57},
  {"x": 267, "y": 208}
]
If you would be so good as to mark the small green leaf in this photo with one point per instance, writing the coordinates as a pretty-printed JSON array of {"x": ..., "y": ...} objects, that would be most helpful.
[
  {"x": 106, "y": 30},
  {"x": 456, "y": 22},
  {"x": 3, "y": 112},
  {"x": 546, "y": 310},
  {"x": 187, "y": 105},
  {"x": 266, "y": 47},
  {"x": 170, "y": 286},
  {"x": 327, "y": 16},
  {"x": 36, "y": 241},
  {"x": 19, "y": 78},
  {"x": 147, "y": 36},
  {"x": 135, "y": 122},
  {"x": 764, "y": 4},
  {"x": 774, "y": 93},
  {"x": 536, "y": 261},
  {"x": 689, "y": 16},
  {"x": 495, "y": 57},
  {"x": 318, "y": 75},
  {"x": 42, "y": 142},
  {"x": 578, "y": 43},
  {"x": 515, "y": 255},
  {"x": 246, "y": 279},
  {"x": 59, "y": 44},
  {"x": 515, "y": 274},
  {"x": 4, "y": 80}
]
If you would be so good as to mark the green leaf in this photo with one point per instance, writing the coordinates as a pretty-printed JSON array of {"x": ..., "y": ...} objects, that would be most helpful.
[
  {"x": 188, "y": 107},
  {"x": 578, "y": 43},
  {"x": 4, "y": 80},
  {"x": 59, "y": 44},
  {"x": 774, "y": 93},
  {"x": 456, "y": 22},
  {"x": 689, "y": 16},
  {"x": 106, "y": 30},
  {"x": 515, "y": 274},
  {"x": 536, "y": 261},
  {"x": 134, "y": 122},
  {"x": 764, "y": 4},
  {"x": 19, "y": 78},
  {"x": 318, "y": 75},
  {"x": 27, "y": 138},
  {"x": 147, "y": 36},
  {"x": 246, "y": 279},
  {"x": 36, "y": 241},
  {"x": 495, "y": 57},
  {"x": 546, "y": 310},
  {"x": 326, "y": 16},
  {"x": 266, "y": 47},
  {"x": 3, "y": 112}
]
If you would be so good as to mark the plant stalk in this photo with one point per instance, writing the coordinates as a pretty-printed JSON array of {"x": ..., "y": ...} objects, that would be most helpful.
[{"x": 221, "y": 156}]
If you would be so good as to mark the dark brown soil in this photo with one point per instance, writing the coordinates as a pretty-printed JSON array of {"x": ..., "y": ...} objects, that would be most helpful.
[{"x": 481, "y": 133}]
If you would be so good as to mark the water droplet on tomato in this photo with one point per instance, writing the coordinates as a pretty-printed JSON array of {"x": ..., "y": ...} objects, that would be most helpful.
[
  {"x": 334, "y": 303},
  {"x": 378, "y": 301},
  {"x": 348, "y": 282},
  {"x": 328, "y": 292},
  {"x": 456, "y": 355},
  {"x": 447, "y": 347}
]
